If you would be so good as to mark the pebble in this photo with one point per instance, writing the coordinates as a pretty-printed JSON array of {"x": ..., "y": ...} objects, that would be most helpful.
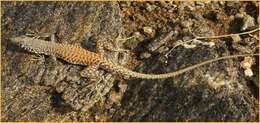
[
  {"x": 222, "y": 3},
  {"x": 248, "y": 22},
  {"x": 145, "y": 55},
  {"x": 187, "y": 23},
  {"x": 138, "y": 36},
  {"x": 200, "y": 4},
  {"x": 247, "y": 64},
  {"x": 248, "y": 72},
  {"x": 148, "y": 30},
  {"x": 170, "y": 10},
  {"x": 236, "y": 38},
  {"x": 150, "y": 7}
]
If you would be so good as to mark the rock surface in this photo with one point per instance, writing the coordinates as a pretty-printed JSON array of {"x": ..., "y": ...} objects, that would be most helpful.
[{"x": 41, "y": 89}]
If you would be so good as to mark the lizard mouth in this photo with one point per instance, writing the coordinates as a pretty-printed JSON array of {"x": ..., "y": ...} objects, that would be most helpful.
[{"x": 16, "y": 40}]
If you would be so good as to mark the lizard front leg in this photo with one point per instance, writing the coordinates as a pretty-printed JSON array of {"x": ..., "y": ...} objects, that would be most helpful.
[
  {"x": 38, "y": 35},
  {"x": 45, "y": 36}
]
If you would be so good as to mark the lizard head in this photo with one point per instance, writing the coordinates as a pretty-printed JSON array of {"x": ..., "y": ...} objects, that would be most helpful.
[
  {"x": 26, "y": 43},
  {"x": 32, "y": 44},
  {"x": 18, "y": 40}
]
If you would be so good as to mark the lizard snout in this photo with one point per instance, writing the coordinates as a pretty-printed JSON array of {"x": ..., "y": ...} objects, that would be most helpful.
[{"x": 16, "y": 40}]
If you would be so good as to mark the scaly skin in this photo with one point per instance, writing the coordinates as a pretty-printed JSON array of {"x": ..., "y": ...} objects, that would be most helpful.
[{"x": 77, "y": 55}]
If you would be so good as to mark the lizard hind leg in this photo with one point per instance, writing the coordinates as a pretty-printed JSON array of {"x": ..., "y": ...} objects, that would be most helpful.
[
  {"x": 101, "y": 45},
  {"x": 118, "y": 53},
  {"x": 92, "y": 73}
]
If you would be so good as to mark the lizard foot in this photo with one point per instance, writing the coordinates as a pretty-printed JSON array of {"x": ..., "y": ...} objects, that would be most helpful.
[
  {"x": 37, "y": 35},
  {"x": 37, "y": 58}
]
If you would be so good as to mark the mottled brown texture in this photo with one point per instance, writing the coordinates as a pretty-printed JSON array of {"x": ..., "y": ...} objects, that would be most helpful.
[{"x": 47, "y": 90}]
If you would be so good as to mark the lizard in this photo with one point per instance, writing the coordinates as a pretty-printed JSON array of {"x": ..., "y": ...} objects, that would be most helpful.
[{"x": 75, "y": 54}]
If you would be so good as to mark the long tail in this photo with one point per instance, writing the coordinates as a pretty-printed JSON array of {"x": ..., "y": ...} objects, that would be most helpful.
[{"x": 125, "y": 71}]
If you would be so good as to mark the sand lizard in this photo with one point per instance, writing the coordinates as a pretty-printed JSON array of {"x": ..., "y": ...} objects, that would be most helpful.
[{"x": 77, "y": 55}]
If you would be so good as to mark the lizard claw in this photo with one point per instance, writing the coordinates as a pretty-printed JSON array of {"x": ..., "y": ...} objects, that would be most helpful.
[
  {"x": 37, "y": 35},
  {"x": 38, "y": 57}
]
